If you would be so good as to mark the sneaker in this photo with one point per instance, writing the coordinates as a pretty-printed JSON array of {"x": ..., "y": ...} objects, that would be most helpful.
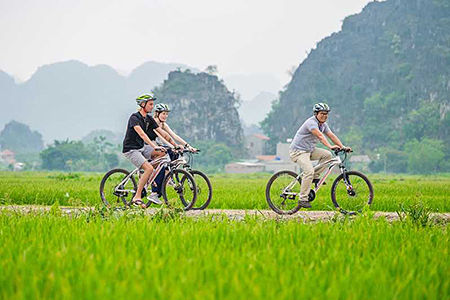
[
  {"x": 154, "y": 198},
  {"x": 305, "y": 204}
]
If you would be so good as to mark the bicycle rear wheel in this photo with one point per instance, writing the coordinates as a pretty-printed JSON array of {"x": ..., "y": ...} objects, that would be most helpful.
[
  {"x": 204, "y": 190},
  {"x": 352, "y": 194},
  {"x": 114, "y": 195},
  {"x": 179, "y": 189},
  {"x": 282, "y": 192}
]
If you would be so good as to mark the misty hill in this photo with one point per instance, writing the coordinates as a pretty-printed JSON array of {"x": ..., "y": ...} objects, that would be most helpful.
[
  {"x": 7, "y": 90},
  {"x": 70, "y": 99},
  {"x": 386, "y": 76},
  {"x": 202, "y": 108},
  {"x": 20, "y": 139},
  {"x": 254, "y": 111}
]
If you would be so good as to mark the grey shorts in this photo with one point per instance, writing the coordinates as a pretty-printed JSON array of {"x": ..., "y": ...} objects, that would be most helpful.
[{"x": 139, "y": 156}]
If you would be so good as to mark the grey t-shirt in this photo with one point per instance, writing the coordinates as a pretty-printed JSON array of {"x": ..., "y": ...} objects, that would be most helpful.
[{"x": 304, "y": 140}]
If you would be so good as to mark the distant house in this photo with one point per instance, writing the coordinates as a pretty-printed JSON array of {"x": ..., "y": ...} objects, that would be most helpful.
[
  {"x": 7, "y": 157},
  {"x": 244, "y": 167},
  {"x": 360, "y": 159},
  {"x": 256, "y": 144}
]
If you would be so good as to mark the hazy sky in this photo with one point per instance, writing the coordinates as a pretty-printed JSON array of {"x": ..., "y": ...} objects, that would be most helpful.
[{"x": 239, "y": 36}]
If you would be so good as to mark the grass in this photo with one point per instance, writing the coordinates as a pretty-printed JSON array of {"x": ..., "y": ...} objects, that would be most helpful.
[
  {"x": 230, "y": 191},
  {"x": 167, "y": 257}
]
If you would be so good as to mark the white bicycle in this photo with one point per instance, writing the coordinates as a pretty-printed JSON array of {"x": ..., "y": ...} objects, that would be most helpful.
[
  {"x": 179, "y": 190},
  {"x": 350, "y": 192}
]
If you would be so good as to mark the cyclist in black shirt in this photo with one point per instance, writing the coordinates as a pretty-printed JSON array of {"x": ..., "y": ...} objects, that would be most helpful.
[{"x": 139, "y": 145}]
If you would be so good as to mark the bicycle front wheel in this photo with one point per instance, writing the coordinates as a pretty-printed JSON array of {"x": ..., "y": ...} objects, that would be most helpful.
[
  {"x": 282, "y": 192},
  {"x": 179, "y": 189},
  {"x": 114, "y": 192},
  {"x": 350, "y": 194},
  {"x": 204, "y": 190}
]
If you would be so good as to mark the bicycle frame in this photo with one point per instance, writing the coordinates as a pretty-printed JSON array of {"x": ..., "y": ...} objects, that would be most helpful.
[
  {"x": 160, "y": 163},
  {"x": 333, "y": 162}
]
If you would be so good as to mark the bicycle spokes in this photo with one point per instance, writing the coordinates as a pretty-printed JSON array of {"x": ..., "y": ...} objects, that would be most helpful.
[
  {"x": 352, "y": 193},
  {"x": 116, "y": 189},
  {"x": 282, "y": 193}
]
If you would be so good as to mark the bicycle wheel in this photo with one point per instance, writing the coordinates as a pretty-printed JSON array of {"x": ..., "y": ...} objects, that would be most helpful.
[
  {"x": 179, "y": 189},
  {"x": 282, "y": 192},
  {"x": 204, "y": 190},
  {"x": 115, "y": 195},
  {"x": 351, "y": 195}
]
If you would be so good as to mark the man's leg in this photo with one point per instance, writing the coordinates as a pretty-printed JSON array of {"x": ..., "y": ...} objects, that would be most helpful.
[
  {"x": 321, "y": 155},
  {"x": 136, "y": 157},
  {"x": 148, "y": 169},
  {"x": 304, "y": 161}
]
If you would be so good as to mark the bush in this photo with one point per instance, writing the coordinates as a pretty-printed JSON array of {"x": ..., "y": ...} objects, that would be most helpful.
[{"x": 424, "y": 156}]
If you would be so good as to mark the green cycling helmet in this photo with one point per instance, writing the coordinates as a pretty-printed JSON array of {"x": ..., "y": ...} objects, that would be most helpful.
[
  {"x": 144, "y": 98},
  {"x": 321, "y": 107},
  {"x": 160, "y": 107}
]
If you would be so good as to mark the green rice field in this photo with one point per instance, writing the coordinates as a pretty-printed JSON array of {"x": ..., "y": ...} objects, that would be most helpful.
[
  {"x": 230, "y": 191},
  {"x": 106, "y": 254},
  {"x": 49, "y": 256}
]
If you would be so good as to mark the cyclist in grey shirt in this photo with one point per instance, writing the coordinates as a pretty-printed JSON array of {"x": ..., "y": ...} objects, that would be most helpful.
[{"x": 303, "y": 148}]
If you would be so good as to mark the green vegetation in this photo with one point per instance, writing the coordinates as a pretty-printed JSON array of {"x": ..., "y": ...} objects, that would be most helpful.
[
  {"x": 168, "y": 257},
  {"x": 74, "y": 155},
  {"x": 231, "y": 191}
]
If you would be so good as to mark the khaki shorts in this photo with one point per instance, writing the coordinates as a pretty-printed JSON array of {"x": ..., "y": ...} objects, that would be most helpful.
[{"x": 139, "y": 156}]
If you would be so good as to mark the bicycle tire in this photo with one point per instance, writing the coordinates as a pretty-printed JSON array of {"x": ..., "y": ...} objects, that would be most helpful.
[
  {"x": 179, "y": 177},
  {"x": 202, "y": 204},
  {"x": 122, "y": 197},
  {"x": 271, "y": 202},
  {"x": 352, "y": 174}
]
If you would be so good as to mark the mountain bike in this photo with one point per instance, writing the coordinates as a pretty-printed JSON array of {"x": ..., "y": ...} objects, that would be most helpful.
[
  {"x": 204, "y": 187},
  {"x": 350, "y": 192},
  {"x": 179, "y": 190}
]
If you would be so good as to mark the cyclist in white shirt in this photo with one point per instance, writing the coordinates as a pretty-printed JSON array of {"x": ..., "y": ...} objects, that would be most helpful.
[{"x": 303, "y": 148}]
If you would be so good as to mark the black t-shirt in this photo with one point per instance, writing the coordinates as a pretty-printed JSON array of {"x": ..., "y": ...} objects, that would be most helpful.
[{"x": 132, "y": 139}]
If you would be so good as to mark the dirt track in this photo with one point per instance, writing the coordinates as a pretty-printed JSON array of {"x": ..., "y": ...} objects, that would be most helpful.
[{"x": 233, "y": 214}]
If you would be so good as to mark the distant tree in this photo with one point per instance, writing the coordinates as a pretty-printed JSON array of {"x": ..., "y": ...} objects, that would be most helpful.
[
  {"x": 423, "y": 122},
  {"x": 103, "y": 156},
  {"x": 19, "y": 138},
  {"x": 390, "y": 160},
  {"x": 424, "y": 156},
  {"x": 63, "y": 155},
  {"x": 213, "y": 154},
  {"x": 211, "y": 70}
]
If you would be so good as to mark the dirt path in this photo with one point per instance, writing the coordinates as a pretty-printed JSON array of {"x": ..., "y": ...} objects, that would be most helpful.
[{"x": 233, "y": 214}]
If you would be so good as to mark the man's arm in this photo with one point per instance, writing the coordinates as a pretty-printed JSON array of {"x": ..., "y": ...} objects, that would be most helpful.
[
  {"x": 144, "y": 136},
  {"x": 334, "y": 138},
  {"x": 323, "y": 139}
]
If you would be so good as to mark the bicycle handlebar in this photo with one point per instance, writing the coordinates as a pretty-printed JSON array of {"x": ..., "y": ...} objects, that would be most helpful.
[
  {"x": 178, "y": 150},
  {"x": 345, "y": 150}
]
